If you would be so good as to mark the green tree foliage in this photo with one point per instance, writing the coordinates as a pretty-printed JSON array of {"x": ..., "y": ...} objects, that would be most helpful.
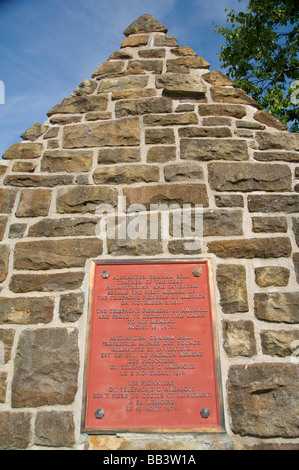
[{"x": 261, "y": 55}]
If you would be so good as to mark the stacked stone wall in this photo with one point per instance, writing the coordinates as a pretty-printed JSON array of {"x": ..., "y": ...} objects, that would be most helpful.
[{"x": 153, "y": 124}]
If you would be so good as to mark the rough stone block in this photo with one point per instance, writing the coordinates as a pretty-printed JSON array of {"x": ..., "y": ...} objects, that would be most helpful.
[
  {"x": 46, "y": 368},
  {"x": 109, "y": 69},
  {"x": 181, "y": 85},
  {"x": 269, "y": 224},
  {"x": 54, "y": 429},
  {"x": 131, "y": 94},
  {"x": 273, "y": 203},
  {"x": 24, "y": 167},
  {"x": 218, "y": 132},
  {"x": 119, "y": 155},
  {"x": 36, "y": 181},
  {"x": 3, "y": 222},
  {"x": 272, "y": 156},
  {"x": 56, "y": 254},
  {"x": 64, "y": 227},
  {"x": 183, "y": 172},
  {"x": 210, "y": 149},
  {"x": 231, "y": 95},
  {"x": 71, "y": 307},
  {"x": 296, "y": 229},
  {"x": 239, "y": 339},
  {"x": 278, "y": 140},
  {"x": 126, "y": 174},
  {"x": 122, "y": 83},
  {"x": 118, "y": 133},
  {"x": 184, "y": 64},
  {"x": 180, "y": 119},
  {"x": 4, "y": 257},
  {"x": 84, "y": 199},
  {"x": 268, "y": 276},
  {"x": 34, "y": 203},
  {"x": 147, "y": 65},
  {"x": 159, "y": 136},
  {"x": 66, "y": 161},
  {"x": 249, "y": 177},
  {"x": 261, "y": 399},
  {"x": 232, "y": 110},
  {"x": 23, "y": 151},
  {"x": 26, "y": 310},
  {"x": 22, "y": 283},
  {"x": 161, "y": 154},
  {"x": 277, "y": 307},
  {"x": 7, "y": 339},
  {"x": 135, "y": 41},
  {"x": 231, "y": 281},
  {"x": 296, "y": 265},
  {"x": 3, "y": 385},
  {"x": 279, "y": 247},
  {"x": 267, "y": 118},
  {"x": 80, "y": 104},
  {"x": 139, "y": 107},
  {"x": 279, "y": 343},
  {"x": 168, "y": 194},
  {"x": 229, "y": 200},
  {"x": 15, "y": 430}
]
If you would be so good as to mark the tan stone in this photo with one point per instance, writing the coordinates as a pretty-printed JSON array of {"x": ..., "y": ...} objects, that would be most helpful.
[
  {"x": 208, "y": 149},
  {"x": 109, "y": 69},
  {"x": 161, "y": 154},
  {"x": 86, "y": 87},
  {"x": 267, "y": 118},
  {"x": 63, "y": 120},
  {"x": 179, "y": 84},
  {"x": 184, "y": 64},
  {"x": 34, "y": 132},
  {"x": 279, "y": 343},
  {"x": 7, "y": 199},
  {"x": 26, "y": 310},
  {"x": 231, "y": 95},
  {"x": 159, "y": 136},
  {"x": 23, "y": 151},
  {"x": 139, "y": 107},
  {"x": 64, "y": 227},
  {"x": 249, "y": 177},
  {"x": 185, "y": 193},
  {"x": 277, "y": 307},
  {"x": 56, "y": 254},
  {"x": 71, "y": 307},
  {"x": 80, "y": 104},
  {"x": 118, "y": 155},
  {"x": 183, "y": 51},
  {"x": 277, "y": 140},
  {"x": 34, "y": 203},
  {"x": 296, "y": 265},
  {"x": 165, "y": 40},
  {"x": 4, "y": 257},
  {"x": 3, "y": 385},
  {"x": 130, "y": 94},
  {"x": 23, "y": 167},
  {"x": 218, "y": 132},
  {"x": 121, "y": 132},
  {"x": 269, "y": 276},
  {"x": 279, "y": 247},
  {"x": 217, "y": 78},
  {"x": 183, "y": 172},
  {"x": 126, "y": 174},
  {"x": 152, "y": 53},
  {"x": 239, "y": 339},
  {"x": 60, "y": 161},
  {"x": 271, "y": 156},
  {"x": 36, "y": 181},
  {"x": 122, "y": 83},
  {"x": 170, "y": 119},
  {"x": 231, "y": 110},
  {"x": 135, "y": 41},
  {"x": 22, "y": 283},
  {"x": 269, "y": 224},
  {"x": 84, "y": 199},
  {"x": 7, "y": 338},
  {"x": 98, "y": 116},
  {"x": 145, "y": 24},
  {"x": 3, "y": 222},
  {"x": 147, "y": 65},
  {"x": 231, "y": 281}
]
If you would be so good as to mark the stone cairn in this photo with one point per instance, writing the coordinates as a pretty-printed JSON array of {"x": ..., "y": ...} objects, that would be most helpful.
[{"x": 154, "y": 125}]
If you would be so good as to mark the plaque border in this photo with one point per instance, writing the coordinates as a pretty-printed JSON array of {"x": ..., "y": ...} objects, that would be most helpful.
[{"x": 199, "y": 430}]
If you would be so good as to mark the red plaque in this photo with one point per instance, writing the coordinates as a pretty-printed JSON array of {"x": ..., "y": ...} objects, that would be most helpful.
[{"x": 152, "y": 361}]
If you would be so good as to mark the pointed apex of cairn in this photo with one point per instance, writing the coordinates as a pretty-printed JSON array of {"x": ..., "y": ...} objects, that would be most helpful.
[{"x": 145, "y": 24}]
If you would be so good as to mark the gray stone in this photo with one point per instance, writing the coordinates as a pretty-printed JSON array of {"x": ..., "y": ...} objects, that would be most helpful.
[
  {"x": 263, "y": 398},
  {"x": 145, "y": 24},
  {"x": 231, "y": 281},
  {"x": 21, "y": 283},
  {"x": 273, "y": 203},
  {"x": 15, "y": 430},
  {"x": 64, "y": 227},
  {"x": 46, "y": 368},
  {"x": 71, "y": 307},
  {"x": 26, "y": 310},
  {"x": 54, "y": 429}
]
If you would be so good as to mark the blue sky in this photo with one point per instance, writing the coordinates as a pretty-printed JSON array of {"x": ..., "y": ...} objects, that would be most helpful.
[{"x": 47, "y": 47}]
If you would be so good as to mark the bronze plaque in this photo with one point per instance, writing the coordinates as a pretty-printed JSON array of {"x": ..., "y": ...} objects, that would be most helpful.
[{"x": 152, "y": 359}]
